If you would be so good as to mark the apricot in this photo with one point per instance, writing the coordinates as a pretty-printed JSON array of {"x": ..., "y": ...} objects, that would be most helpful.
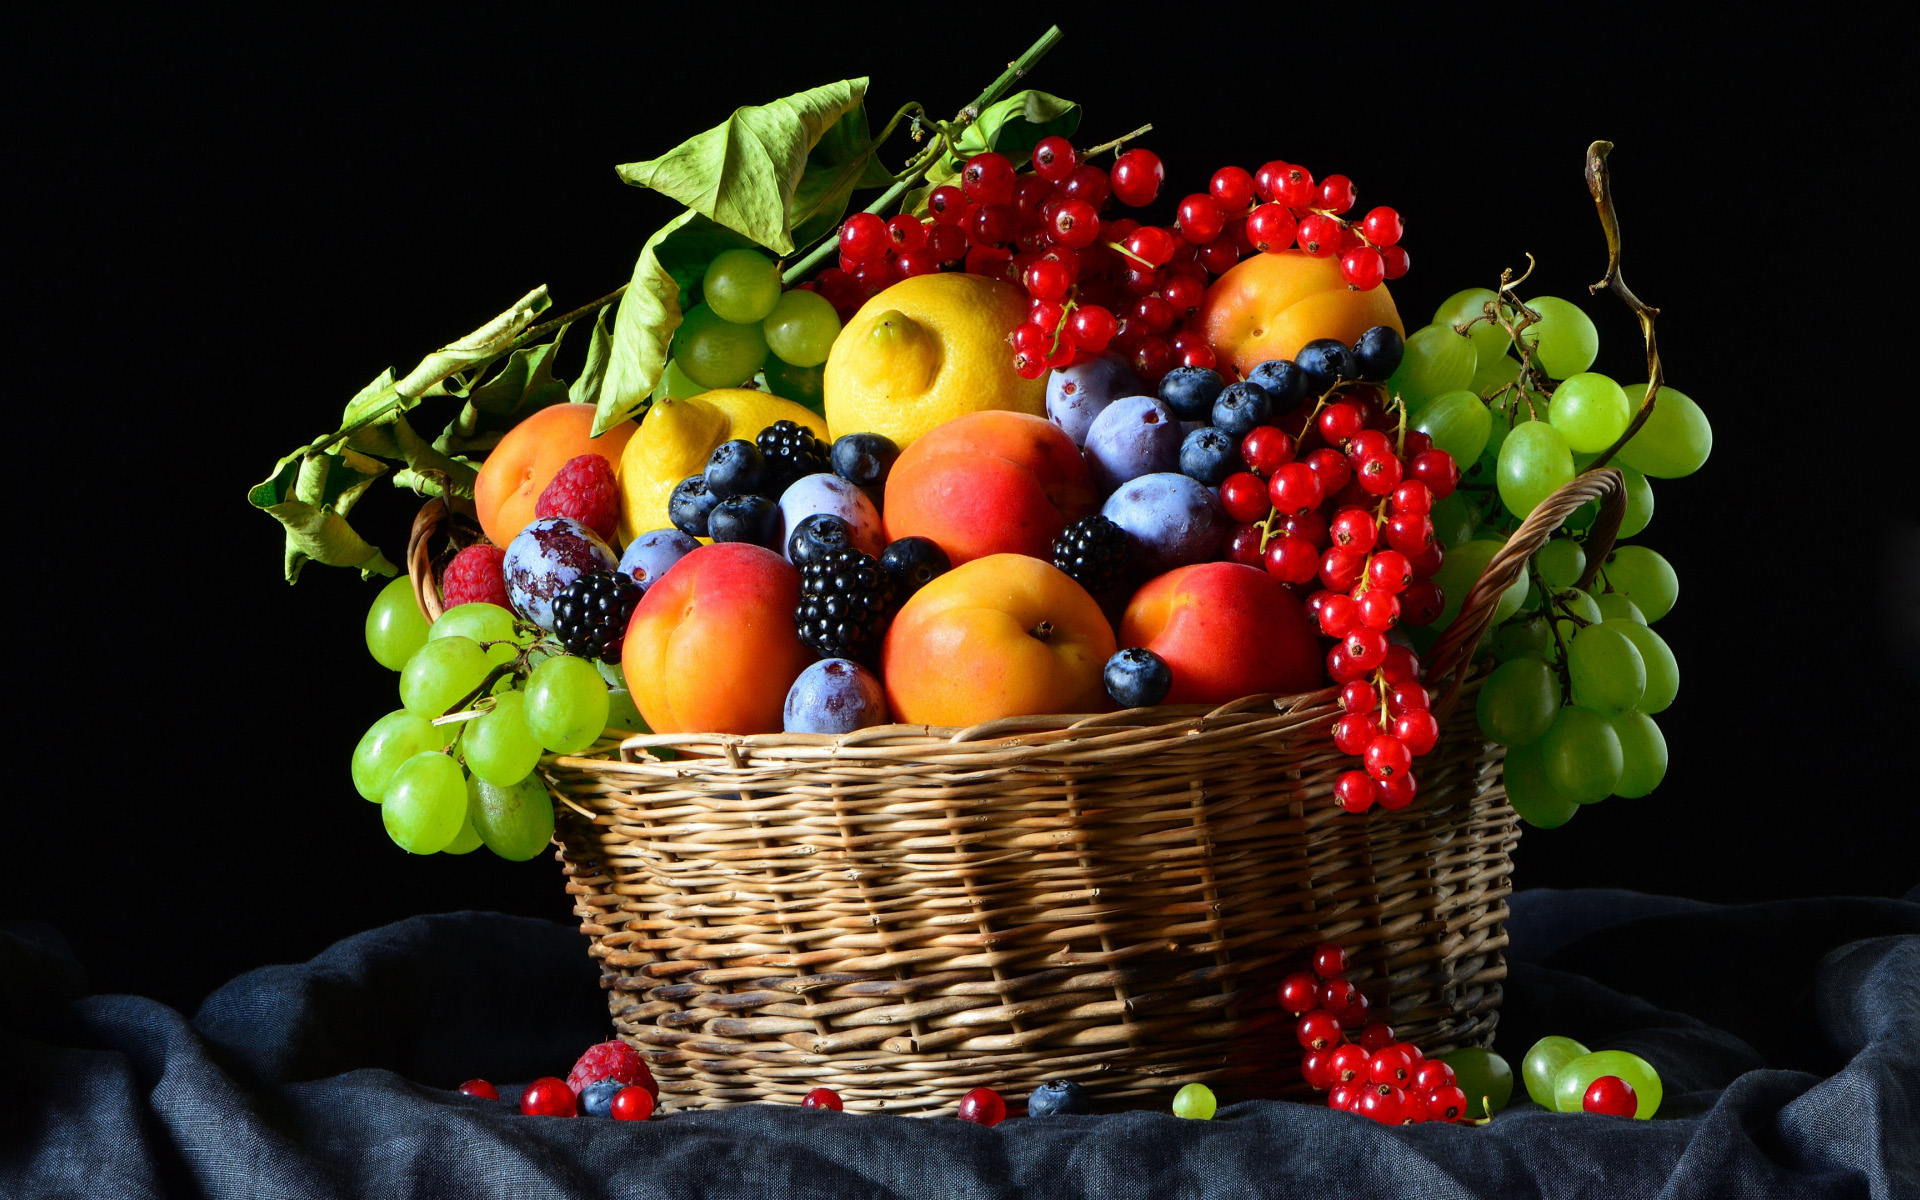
[
  {"x": 989, "y": 482},
  {"x": 527, "y": 459},
  {"x": 1225, "y": 630},
  {"x": 712, "y": 647},
  {"x": 1270, "y": 305},
  {"x": 1000, "y": 636}
]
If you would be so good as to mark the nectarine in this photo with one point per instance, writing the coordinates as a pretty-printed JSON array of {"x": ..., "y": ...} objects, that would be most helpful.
[
  {"x": 1225, "y": 630},
  {"x": 989, "y": 483},
  {"x": 527, "y": 459}
]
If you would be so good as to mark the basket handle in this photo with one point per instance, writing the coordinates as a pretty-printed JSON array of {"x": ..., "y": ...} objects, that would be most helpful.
[
  {"x": 426, "y": 589},
  {"x": 1455, "y": 647}
]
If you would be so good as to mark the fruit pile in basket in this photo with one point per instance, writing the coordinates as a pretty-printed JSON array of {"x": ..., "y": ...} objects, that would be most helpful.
[{"x": 1027, "y": 435}]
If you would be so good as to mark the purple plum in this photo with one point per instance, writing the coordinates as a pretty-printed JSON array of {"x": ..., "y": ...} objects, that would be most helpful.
[
  {"x": 834, "y": 695},
  {"x": 824, "y": 493},
  {"x": 549, "y": 554},
  {"x": 652, "y": 553},
  {"x": 1133, "y": 436},
  {"x": 1075, "y": 395},
  {"x": 1174, "y": 519}
]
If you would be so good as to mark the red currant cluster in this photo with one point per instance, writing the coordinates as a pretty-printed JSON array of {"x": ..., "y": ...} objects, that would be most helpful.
[
  {"x": 1373, "y": 1075},
  {"x": 1098, "y": 283},
  {"x": 1332, "y": 498}
]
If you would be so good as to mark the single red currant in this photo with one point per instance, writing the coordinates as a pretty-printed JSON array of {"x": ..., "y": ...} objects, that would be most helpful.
[
  {"x": 1154, "y": 314},
  {"x": 1413, "y": 497},
  {"x": 1417, "y": 730},
  {"x": 548, "y": 1097},
  {"x": 1293, "y": 186},
  {"x": 1390, "y": 1064},
  {"x": 863, "y": 238},
  {"x": 1400, "y": 666},
  {"x": 988, "y": 178},
  {"x": 1336, "y": 994},
  {"x": 1092, "y": 327},
  {"x": 948, "y": 243},
  {"x": 1385, "y": 756},
  {"x": 1410, "y": 533},
  {"x": 1338, "y": 613},
  {"x": 1379, "y": 474},
  {"x": 1340, "y": 572},
  {"x": 1359, "y": 696},
  {"x": 983, "y": 1106},
  {"x": 1612, "y": 1096},
  {"x": 1384, "y": 1103},
  {"x": 990, "y": 224},
  {"x": 1378, "y": 610},
  {"x": 1299, "y": 993},
  {"x": 1437, "y": 470},
  {"x": 1353, "y": 530},
  {"x": 1292, "y": 560},
  {"x": 1201, "y": 218},
  {"x": 1446, "y": 1103},
  {"x": 823, "y": 1098},
  {"x": 1377, "y": 1036},
  {"x": 1330, "y": 468},
  {"x": 481, "y": 1089},
  {"x": 1244, "y": 496},
  {"x": 1395, "y": 260},
  {"x": 1390, "y": 571},
  {"x": 1398, "y": 792},
  {"x": 1318, "y": 1030},
  {"x": 1362, "y": 268},
  {"x": 1048, "y": 279},
  {"x": 1137, "y": 175},
  {"x": 1352, "y": 732},
  {"x": 1431, "y": 1074},
  {"x": 1266, "y": 449},
  {"x": 1353, "y": 1014},
  {"x": 632, "y": 1104},
  {"x": 1336, "y": 193},
  {"x": 1339, "y": 422},
  {"x": 1316, "y": 1069},
  {"x": 1151, "y": 244},
  {"x": 1243, "y": 546},
  {"x": 1152, "y": 357},
  {"x": 1383, "y": 226},
  {"x": 1403, "y": 695},
  {"x": 909, "y": 263},
  {"x": 1271, "y": 228},
  {"x": 1365, "y": 647},
  {"x": 1319, "y": 236},
  {"x": 1344, "y": 1096},
  {"x": 1422, "y": 602},
  {"x": 1054, "y": 159},
  {"x": 1294, "y": 490},
  {"x": 1329, "y": 960},
  {"x": 1340, "y": 667},
  {"x": 1231, "y": 188},
  {"x": 947, "y": 203},
  {"x": 1349, "y": 1064}
]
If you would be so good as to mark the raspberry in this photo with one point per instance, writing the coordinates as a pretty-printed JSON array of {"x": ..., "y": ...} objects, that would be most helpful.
[
  {"x": 474, "y": 577},
  {"x": 611, "y": 1060},
  {"x": 584, "y": 490}
]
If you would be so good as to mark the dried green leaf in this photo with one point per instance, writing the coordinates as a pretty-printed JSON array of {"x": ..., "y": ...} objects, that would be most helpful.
[
  {"x": 310, "y": 495},
  {"x": 586, "y": 389},
  {"x": 743, "y": 172}
]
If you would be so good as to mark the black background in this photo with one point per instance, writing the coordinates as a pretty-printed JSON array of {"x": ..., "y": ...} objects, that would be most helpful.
[{"x": 234, "y": 225}]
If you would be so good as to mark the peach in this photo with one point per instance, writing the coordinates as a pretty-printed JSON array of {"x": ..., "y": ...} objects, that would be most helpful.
[
  {"x": 1270, "y": 305},
  {"x": 1225, "y": 630},
  {"x": 527, "y": 459},
  {"x": 989, "y": 483},
  {"x": 1001, "y": 636},
  {"x": 712, "y": 646}
]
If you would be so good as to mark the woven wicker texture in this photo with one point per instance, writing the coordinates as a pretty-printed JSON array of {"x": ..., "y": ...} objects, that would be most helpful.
[{"x": 905, "y": 913}]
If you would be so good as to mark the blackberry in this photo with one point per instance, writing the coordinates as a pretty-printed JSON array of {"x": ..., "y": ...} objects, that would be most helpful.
[
  {"x": 590, "y": 614},
  {"x": 845, "y": 600},
  {"x": 791, "y": 451},
  {"x": 1094, "y": 551}
]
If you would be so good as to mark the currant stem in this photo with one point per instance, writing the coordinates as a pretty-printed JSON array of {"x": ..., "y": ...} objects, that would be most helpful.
[{"x": 1116, "y": 143}]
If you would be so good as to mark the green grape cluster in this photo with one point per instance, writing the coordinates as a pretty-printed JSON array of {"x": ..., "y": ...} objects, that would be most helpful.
[
  {"x": 482, "y": 696},
  {"x": 745, "y": 325}
]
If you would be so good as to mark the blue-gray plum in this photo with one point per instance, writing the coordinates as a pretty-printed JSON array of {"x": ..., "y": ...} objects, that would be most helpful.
[
  {"x": 544, "y": 558},
  {"x": 823, "y": 493},
  {"x": 1133, "y": 436},
  {"x": 1075, "y": 395},
  {"x": 1174, "y": 518},
  {"x": 652, "y": 553},
  {"x": 834, "y": 695}
]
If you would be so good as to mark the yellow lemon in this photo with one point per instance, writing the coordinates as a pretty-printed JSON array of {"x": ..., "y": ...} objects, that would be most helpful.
[
  {"x": 927, "y": 350},
  {"x": 675, "y": 438}
]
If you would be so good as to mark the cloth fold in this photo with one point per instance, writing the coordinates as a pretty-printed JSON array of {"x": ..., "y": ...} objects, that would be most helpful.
[{"x": 1787, "y": 1036}]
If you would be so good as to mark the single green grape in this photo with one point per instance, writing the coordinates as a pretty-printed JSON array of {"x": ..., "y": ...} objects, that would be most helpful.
[
  {"x": 1591, "y": 411},
  {"x": 1529, "y": 638},
  {"x": 1534, "y": 462},
  {"x": 440, "y": 674},
  {"x": 468, "y": 839},
  {"x": 395, "y": 628},
  {"x": 566, "y": 704},
  {"x": 1570, "y": 1084},
  {"x": 1531, "y": 793},
  {"x": 1615, "y": 607},
  {"x": 515, "y": 822},
  {"x": 425, "y": 804},
  {"x": 1564, "y": 339},
  {"x": 1459, "y": 571},
  {"x": 1542, "y": 1066},
  {"x": 498, "y": 746},
  {"x": 1646, "y": 577},
  {"x": 623, "y": 714},
  {"x": 1675, "y": 440},
  {"x": 741, "y": 285},
  {"x": 1643, "y": 753},
  {"x": 484, "y": 623},
  {"x": 805, "y": 386},
  {"x": 1560, "y": 562},
  {"x": 1493, "y": 372},
  {"x": 390, "y": 741},
  {"x": 1663, "y": 669},
  {"x": 1489, "y": 340},
  {"x": 1518, "y": 701},
  {"x": 1581, "y": 754},
  {"x": 1454, "y": 519},
  {"x": 1437, "y": 361},
  {"x": 801, "y": 327},
  {"x": 1458, "y": 422},
  {"x": 1195, "y": 1102},
  {"x": 715, "y": 352},
  {"x": 1639, "y": 504},
  {"x": 674, "y": 384},
  {"x": 1484, "y": 1076},
  {"x": 1608, "y": 674}
]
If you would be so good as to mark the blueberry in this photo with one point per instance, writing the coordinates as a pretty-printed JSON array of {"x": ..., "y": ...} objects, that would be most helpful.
[
  {"x": 1209, "y": 455},
  {"x": 1377, "y": 354},
  {"x": 1284, "y": 381},
  {"x": 748, "y": 518},
  {"x": 864, "y": 459},
  {"x": 1326, "y": 361},
  {"x": 690, "y": 506},
  {"x": 1059, "y": 1097},
  {"x": 1191, "y": 391},
  {"x": 1138, "y": 678},
  {"x": 914, "y": 562},
  {"x": 597, "y": 1099},
  {"x": 816, "y": 537},
  {"x": 736, "y": 468},
  {"x": 1241, "y": 408}
]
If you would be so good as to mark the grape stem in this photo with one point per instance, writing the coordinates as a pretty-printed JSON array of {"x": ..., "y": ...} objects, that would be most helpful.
[
  {"x": 1599, "y": 183},
  {"x": 1560, "y": 668}
]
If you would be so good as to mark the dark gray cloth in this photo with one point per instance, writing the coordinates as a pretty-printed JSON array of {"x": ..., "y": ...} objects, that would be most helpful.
[{"x": 1787, "y": 1036}]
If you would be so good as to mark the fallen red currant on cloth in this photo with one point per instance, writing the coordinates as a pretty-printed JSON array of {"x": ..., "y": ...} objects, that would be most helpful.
[
  {"x": 632, "y": 1104},
  {"x": 825, "y": 1098},
  {"x": 480, "y": 1088},
  {"x": 548, "y": 1097},
  {"x": 983, "y": 1106},
  {"x": 1611, "y": 1096}
]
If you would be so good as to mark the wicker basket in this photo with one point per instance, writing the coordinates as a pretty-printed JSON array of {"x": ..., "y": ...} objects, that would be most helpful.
[{"x": 905, "y": 912}]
